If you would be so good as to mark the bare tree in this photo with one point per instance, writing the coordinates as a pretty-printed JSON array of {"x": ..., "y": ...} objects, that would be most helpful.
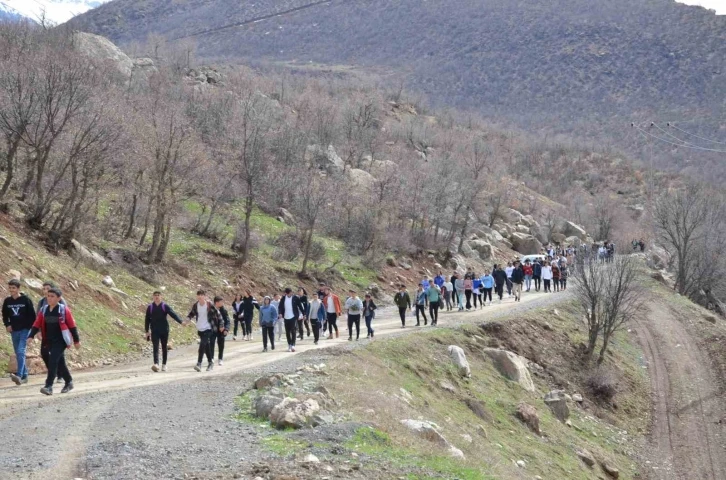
[{"x": 314, "y": 192}]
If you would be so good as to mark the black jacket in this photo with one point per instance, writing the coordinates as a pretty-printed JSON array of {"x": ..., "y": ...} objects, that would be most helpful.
[
  {"x": 225, "y": 318},
  {"x": 297, "y": 309},
  {"x": 518, "y": 275},
  {"x": 156, "y": 317},
  {"x": 369, "y": 308},
  {"x": 248, "y": 308},
  {"x": 212, "y": 315},
  {"x": 18, "y": 313},
  {"x": 500, "y": 276}
]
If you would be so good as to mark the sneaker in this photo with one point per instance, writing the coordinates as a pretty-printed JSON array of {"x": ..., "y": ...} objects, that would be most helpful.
[
  {"x": 220, "y": 362},
  {"x": 234, "y": 338},
  {"x": 163, "y": 368},
  {"x": 292, "y": 349},
  {"x": 350, "y": 339},
  {"x": 357, "y": 339},
  {"x": 46, "y": 390},
  {"x": 289, "y": 348},
  {"x": 24, "y": 380},
  {"x": 315, "y": 342},
  {"x": 15, "y": 379},
  {"x": 331, "y": 338},
  {"x": 372, "y": 333},
  {"x": 272, "y": 347},
  {"x": 198, "y": 367},
  {"x": 264, "y": 350},
  {"x": 368, "y": 336},
  {"x": 67, "y": 388},
  {"x": 155, "y": 367},
  {"x": 210, "y": 366}
]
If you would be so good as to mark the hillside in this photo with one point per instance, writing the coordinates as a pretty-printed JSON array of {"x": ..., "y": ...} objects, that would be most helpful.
[{"x": 562, "y": 68}]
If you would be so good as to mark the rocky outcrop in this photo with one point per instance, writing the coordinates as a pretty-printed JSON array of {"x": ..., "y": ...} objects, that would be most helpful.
[
  {"x": 587, "y": 457},
  {"x": 430, "y": 431},
  {"x": 482, "y": 248},
  {"x": 569, "y": 229},
  {"x": 512, "y": 366},
  {"x": 557, "y": 401},
  {"x": 325, "y": 159},
  {"x": 104, "y": 51},
  {"x": 525, "y": 244},
  {"x": 87, "y": 255},
  {"x": 359, "y": 181},
  {"x": 264, "y": 405},
  {"x": 528, "y": 415},
  {"x": 458, "y": 357}
]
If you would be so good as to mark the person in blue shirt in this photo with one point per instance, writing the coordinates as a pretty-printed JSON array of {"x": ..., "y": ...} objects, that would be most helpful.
[
  {"x": 426, "y": 283},
  {"x": 421, "y": 301},
  {"x": 476, "y": 293},
  {"x": 487, "y": 285},
  {"x": 439, "y": 280}
]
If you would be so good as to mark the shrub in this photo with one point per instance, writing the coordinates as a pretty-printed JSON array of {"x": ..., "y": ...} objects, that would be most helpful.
[{"x": 602, "y": 385}]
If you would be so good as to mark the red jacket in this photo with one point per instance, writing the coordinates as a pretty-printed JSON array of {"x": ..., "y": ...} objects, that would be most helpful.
[
  {"x": 67, "y": 325},
  {"x": 528, "y": 270}
]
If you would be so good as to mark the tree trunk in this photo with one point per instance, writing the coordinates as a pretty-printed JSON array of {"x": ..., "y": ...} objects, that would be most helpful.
[
  {"x": 463, "y": 229},
  {"x": 308, "y": 243},
  {"x": 246, "y": 243},
  {"x": 132, "y": 217},
  {"x": 10, "y": 166},
  {"x": 603, "y": 349}
]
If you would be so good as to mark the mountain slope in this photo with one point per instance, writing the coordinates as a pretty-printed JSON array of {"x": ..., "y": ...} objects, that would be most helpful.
[{"x": 558, "y": 66}]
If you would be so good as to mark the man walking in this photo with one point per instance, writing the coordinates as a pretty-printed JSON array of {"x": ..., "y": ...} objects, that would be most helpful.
[
  {"x": 500, "y": 278},
  {"x": 537, "y": 274},
  {"x": 517, "y": 280},
  {"x": 331, "y": 302},
  {"x": 289, "y": 311},
  {"x": 208, "y": 321},
  {"x": 156, "y": 327},
  {"x": 403, "y": 301},
  {"x": 222, "y": 330},
  {"x": 18, "y": 317},
  {"x": 509, "y": 271},
  {"x": 434, "y": 297},
  {"x": 58, "y": 328},
  {"x": 354, "y": 309}
]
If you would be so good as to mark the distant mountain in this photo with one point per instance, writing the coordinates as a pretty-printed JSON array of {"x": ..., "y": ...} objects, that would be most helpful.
[
  {"x": 55, "y": 11},
  {"x": 573, "y": 67}
]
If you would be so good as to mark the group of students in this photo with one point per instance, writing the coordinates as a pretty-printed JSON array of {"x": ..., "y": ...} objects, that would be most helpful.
[
  {"x": 53, "y": 320},
  {"x": 295, "y": 313}
]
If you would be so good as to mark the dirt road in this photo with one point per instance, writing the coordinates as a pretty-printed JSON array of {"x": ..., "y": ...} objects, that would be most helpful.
[
  {"x": 688, "y": 437},
  {"x": 160, "y": 425}
]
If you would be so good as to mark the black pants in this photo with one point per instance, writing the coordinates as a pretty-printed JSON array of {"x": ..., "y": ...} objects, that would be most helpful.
[
  {"x": 434, "y": 312},
  {"x": 455, "y": 295},
  {"x": 247, "y": 326},
  {"x": 556, "y": 283},
  {"x": 354, "y": 320},
  {"x": 422, "y": 309},
  {"x": 487, "y": 291},
  {"x": 268, "y": 332},
  {"x": 332, "y": 322},
  {"x": 316, "y": 330},
  {"x": 509, "y": 286},
  {"x": 499, "y": 288},
  {"x": 219, "y": 337},
  {"x": 547, "y": 286},
  {"x": 537, "y": 282},
  {"x": 563, "y": 282},
  {"x": 402, "y": 314},
  {"x": 291, "y": 331},
  {"x": 303, "y": 323},
  {"x": 239, "y": 322},
  {"x": 157, "y": 337},
  {"x": 205, "y": 346},
  {"x": 468, "y": 299},
  {"x": 55, "y": 360}
]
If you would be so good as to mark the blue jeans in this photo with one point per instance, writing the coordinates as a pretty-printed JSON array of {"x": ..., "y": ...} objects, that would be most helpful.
[
  {"x": 528, "y": 281},
  {"x": 20, "y": 341}
]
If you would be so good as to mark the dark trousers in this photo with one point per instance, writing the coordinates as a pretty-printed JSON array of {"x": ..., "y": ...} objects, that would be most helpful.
[
  {"x": 316, "y": 330},
  {"x": 239, "y": 322},
  {"x": 499, "y": 288},
  {"x": 487, "y": 292},
  {"x": 55, "y": 360},
  {"x": 303, "y": 323},
  {"x": 268, "y": 332},
  {"x": 556, "y": 283},
  {"x": 455, "y": 295},
  {"x": 563, "y": 283},
  {"x": 509, "y": 286},
  {"x": 547, "y": 286},
  {"x": 332, "y": 322},
  {"x": 434, "y": 312},
  {"x": 219, "y": 337},
  {"x": 537, "y": 282},
  {"x": 354, "y": 320},
  {"x": 447, "y": 297},
  {"x": 468, "y": 298},
  {"x": 402, "y": 314},
  {"x": 205, "y": 346},
  {"x": 247, "y": 326},
  {"x": 477, "y": 297},
  {"x": 422, "y": 309},
  {"x": 369, "y": 325},
  {"x": 291, "y": 331},
  {"x": 160, "y": 337}
]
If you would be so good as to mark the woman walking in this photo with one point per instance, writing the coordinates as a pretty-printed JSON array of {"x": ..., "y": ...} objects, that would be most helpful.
[
  {"x": 237, "y": 316},
  {"x": 304, "y": 320},
  {"x": 547, "y": 276},
  {"x": 316, "y": 314},
  {"x": 434, "y": 297},
  {"x": 459, "y": 285},
  {"x": 487, "y": 284},
  {"x": 448, "y": 291},
  {"x": 249, "y": 304},
  {"x": 468, "y": 286},
  {"x": 268, "y": 319},
  {"x": 556, "y": 276},
  {"x": 369, "y": 313}
]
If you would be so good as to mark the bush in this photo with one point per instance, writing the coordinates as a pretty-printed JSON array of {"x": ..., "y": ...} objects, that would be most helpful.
[{"x": 602, "y": 385}]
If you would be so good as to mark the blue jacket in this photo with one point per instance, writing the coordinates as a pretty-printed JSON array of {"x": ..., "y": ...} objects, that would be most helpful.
[
  {"x": 268, "y": 316},
  {"x": 477, "y": 283},
  {"x": 425, "y": 284},
  {"x": 320, "y": 315},
  {"x": 421, "y": 297},
  {"x": 487, "y": 281},
  {"x": 439, "y": 280}
]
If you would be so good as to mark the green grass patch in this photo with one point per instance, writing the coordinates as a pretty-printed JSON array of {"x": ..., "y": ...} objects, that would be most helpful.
[
  {"x": 245, "y": 409},
  {"x": 282, "y": 445}
]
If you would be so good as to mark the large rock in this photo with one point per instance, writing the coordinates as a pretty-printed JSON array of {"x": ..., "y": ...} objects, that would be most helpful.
[
  {"x": 287, "y": 217},
  {"x": 483, "y": 248},
  {"x": 360, "y": 182},
  {"x": 511, "y": 366},
  {"x": 325, "y": 159},
  {"x": 559, "y": 237},
  {"x": 265, "y": 404},
  {"x": 108, "y": 281},
  {"x": 430, "y": 431},
  {"x": 521, "y": 228},
  {"x": 104, "y": 51},
  {"x": 35, "y": 285},
  {"x": 294, "y": 413},
  {"x": 269, "y": 381},
  {"x": 468, "y": 251},
  {"x": 512, "y": 216},
  {"x": 586, "y": 457},
  {"x": 87, "y": 254},
  {"x": 570, "y": 229},
  {"x": 528, "y": 220},
  {"x": 557, "y": 401},
  {"x": 574, "y": 241},
  {"x": 458, "y": 357},
  {"x": 525, "y": 244},
  {"x": 528, "y": 414}
]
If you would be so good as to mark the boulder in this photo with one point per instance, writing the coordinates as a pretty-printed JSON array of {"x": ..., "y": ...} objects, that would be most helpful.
[
  {"x": 528, "y": 414},
  {"x": 570, "y": 229},
  {"x": 35, "y": 285},
  {"x": 521, "y": 228},
  {"x": 5, "y": 241},
  {"x": 458, "y": 357},
  {"x": 264, "y": 404},
  {"x": 430, "y": 431},
  {"x": 657, "y": 258},
  {"x": 459, "y": 263},
  {"x": 559, "y": 238},
  {"x": 512, "y": 216},
  {"x": 482, "y": 247},
  {"x": 293, "y": 413},
  {"x": 382, "y": 168},
  {"x": 504, "y": 229},
  {"x": 611, "y": 470},
  {"x": 528, "y": 220},
  {"x": 512, "y": 366},
  {"x": 576, "y": 397},
  {"x": 586, "y": 457},
  {"x": 447, "y": 386},
  {"x": 525, "y": 244},
  {"x": 325, "y": 159},
  {"x": 108, "y": 281},
  {"x": 287, "y": 217},
  {"x": 86, "y": 254},
  {"x": 468, "y": 251},
  {"x": 310, "y": 458},
  {"x": 14, "y": 274},
  {"x": 269, "y": 381},
  {"x": 557, "y": 401},
  {"x": 574, "y": 241},
  {"x": 359, "y": 181},
  {"x": 103, "y": 50},
  {"x": 506, "y": 243},
  {"x": 322, "y": 418}
]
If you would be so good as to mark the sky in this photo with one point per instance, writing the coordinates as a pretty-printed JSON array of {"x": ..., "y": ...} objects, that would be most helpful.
[
  {"x": 57, "y": 11},
  {"x": 718, "y": 5}
]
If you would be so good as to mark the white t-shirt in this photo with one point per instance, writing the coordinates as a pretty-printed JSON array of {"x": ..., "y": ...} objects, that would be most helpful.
[
  {"x": 449, "y": 286},
  {"x": 547, "y": 273},
  {"x": 289, "y": 315},
  {"x": 203, "y": 318},
  {"x": 509, "y": 271},
  {"x": 331, "y": 304}
]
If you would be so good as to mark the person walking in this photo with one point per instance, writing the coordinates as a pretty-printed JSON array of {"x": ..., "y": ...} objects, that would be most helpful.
[
  {"x": 517, "y": 281},
  {"x": 156, "y": 326},
  {"x": 459, "y": 287},
  {"x": 500, "y": 279},
  {"x": 468, "y": 286},
  {"x": 403, "y": 301},
  {"x": 369, "y": 313},
  {"x": 316, "y": 315},
  {"x": 555, "y": 276},
  {"x": 249, "y": 305},
  {"x": 354, "y": 309},
  {"x": 476, "y": 295},
  {"x": 439, "y": 279},
  {"x": 455, "y": 292},
  {"x": 207, "y": 320},
  {"x": 547, "y": 277},
  {"x": 564, "y": 273},
  {"x": 290, "y": 311},
  {"x": 57, "y": 326},
  {"x": 421, "y": 305},
  {"x": 537, "y": 274},
  {"x": 448, "y": 291},
  {"x": 331, "y": 302},
  {"x": 434, "y": 298},
  {"x": 487, "y": 285},
  {"x": 508, "y": 271},
  {"x": 220, "y": 334},
  {"x": 304, "y": 321},
  {"x": 528, "y": 273},
  {"x": 47, "y": 285},
  {"x": 238, "y": 317},
  {"x": 18, "y": 318},
  {"x": 268, "y": 319},
  {"x": 278, "y": 325}
]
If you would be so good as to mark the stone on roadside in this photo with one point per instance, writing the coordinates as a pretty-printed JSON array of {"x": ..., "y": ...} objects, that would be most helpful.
[
  {"x": 512, "y": 366},
  {"x": 268, "y": 381},
  {"x": 293, "y": 413},
  {"x": 557, "y": 401},
  {"x": 528, "y": 414},
  {"x": 458, "y": 357},
  {"x": 264, "y": 404}
]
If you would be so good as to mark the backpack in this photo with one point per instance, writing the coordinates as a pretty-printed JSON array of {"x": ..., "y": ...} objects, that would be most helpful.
[{"x": 163, "y": 307}]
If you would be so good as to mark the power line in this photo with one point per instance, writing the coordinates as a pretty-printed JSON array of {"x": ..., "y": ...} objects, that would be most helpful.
[
  {"x": 693, "y": 147},
  {"x": 694, "y": 135}
]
